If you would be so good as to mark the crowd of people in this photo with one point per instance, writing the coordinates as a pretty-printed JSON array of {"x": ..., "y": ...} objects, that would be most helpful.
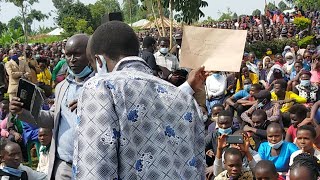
[
  {"x": 115, "y": 110},
  {"x": 277, "y": 24}
]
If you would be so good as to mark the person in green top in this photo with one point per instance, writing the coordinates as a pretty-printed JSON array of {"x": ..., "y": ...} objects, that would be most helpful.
[{"x": 59, "y": 71}]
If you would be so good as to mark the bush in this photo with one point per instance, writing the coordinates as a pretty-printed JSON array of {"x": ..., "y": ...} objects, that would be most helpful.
[
  {"x": 260, "y": 47},
  {"x": 45, "y": 39},
  {"x": 305, "y": 41},
  {"x": 302, "y": 22}
]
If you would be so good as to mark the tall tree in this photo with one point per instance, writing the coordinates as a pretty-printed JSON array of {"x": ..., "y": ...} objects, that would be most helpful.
[
  {"x": 307, "y": 4},
  {"x": 14, "y": 23},
  {"x": 130, "y": 10},
  {"x": 283, "y": 6},
  {"x": 225, "y": 15},
  {"x": 60, "y": 4},
  {"x": 3, "y": 27},
  {"x": 235, "y": 16},
  {"x": 256, "y": 12},
  {"x": 27, "y": 13},
  {"x": 102, "y": 7},
  {"x": 77, "y": 10}
]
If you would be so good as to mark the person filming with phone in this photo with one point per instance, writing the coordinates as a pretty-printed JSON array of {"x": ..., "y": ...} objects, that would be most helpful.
[{"x": 240, "y": 141}]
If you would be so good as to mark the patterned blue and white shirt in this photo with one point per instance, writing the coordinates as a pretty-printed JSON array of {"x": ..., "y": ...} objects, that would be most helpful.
[{"x": 132, "y": 125}]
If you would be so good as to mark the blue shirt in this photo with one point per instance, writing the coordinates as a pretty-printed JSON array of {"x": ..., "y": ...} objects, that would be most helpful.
[
  {"x": 67, "y": 124},
  {"x": 241, "y": 94},
  {"x": 282, "y": 160}
]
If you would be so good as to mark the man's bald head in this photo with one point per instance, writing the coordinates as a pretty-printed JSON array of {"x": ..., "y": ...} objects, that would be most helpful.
[
  {"x": 274, "y": 126},
  {"x": 78, "y": 40}
]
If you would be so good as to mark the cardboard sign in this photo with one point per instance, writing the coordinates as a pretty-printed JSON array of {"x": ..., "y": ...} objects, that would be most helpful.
[{"x": 216, "y": 49}]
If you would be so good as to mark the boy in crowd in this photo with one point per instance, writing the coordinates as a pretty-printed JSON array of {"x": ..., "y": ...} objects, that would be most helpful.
[
  {"x": 11, "y": 167},
  {"x": 233, "y": 164},
  {"x": 44, "y": 136},
  {"x": 286, "y": 99},
  {"x": 216, "y": 109},
  {"x": 265, "y": 170},
  {"x": 257, "y": 130},
  {"x": 298, "y": 113}
]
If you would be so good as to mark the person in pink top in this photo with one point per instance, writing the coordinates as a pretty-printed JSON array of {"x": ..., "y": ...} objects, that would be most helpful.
[
  {"x": 298, "y": 113},
  {"x": 315, "y": 74}
]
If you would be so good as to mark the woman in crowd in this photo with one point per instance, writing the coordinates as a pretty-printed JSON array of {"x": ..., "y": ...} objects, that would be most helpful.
[
  {"x": 305, "y": 167},
  {"x": 277, "y": 150},
  {"x": 315, "y": 74},
  {"x": 246, "y": 75}
]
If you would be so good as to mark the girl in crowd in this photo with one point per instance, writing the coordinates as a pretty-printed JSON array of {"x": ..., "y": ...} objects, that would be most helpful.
[{"x": 306, "y": 167}]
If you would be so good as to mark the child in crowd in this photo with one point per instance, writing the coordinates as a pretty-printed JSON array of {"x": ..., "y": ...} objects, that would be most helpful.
[
  {"x": 216, "y": 109},
  {"x": 45, "y": 136},
  {"x": 305, "y": 167},
  {"x": 298, "y": 113},
  {"x": 265, "y": 170},
  {"x": 277, "y": 150},
  {"x": 224, "y": 123},
  {"x": 257, "y": 130},
  {"x": 306, "y": 136},
  {"x": 11, "y": 167},
  {"x": 233, "y": 164}
]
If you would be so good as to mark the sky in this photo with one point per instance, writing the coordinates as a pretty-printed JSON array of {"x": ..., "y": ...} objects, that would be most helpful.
[{"x": 8, "y": 10}]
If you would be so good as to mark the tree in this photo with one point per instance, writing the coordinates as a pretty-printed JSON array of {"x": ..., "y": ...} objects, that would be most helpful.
[
  {"x": 225, "y": 15},
  {"x": 69, "y": 26},
  {"x": 130, "y": 10},
  {"x": 27, "y": 14},
  {"x": 77, "y": 10},
  {"x": 14, "y": 23},
  {"x": 283, "y": 6},
  {"x": 100, "y": 8},
  {"x": 256, "y": 12},
  {"x": 307, "y": 4},
  {"x": 60, "y": 4},
  {"x": 271, "y": 6},
  {"x": 235, "y": 16},
  {"x": 82, "y": 27},
  {"x": 3, "y": 27}
]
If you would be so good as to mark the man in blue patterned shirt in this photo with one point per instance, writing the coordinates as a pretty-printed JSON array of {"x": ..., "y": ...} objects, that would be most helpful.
[{"x": 131, "y": 124}]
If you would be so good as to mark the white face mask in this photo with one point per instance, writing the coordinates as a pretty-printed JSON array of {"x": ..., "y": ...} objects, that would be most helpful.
[
  {"x": 164, "y": 50},
  {"x": 103, "y": 70},
  {"x": 277, "y": 145}
]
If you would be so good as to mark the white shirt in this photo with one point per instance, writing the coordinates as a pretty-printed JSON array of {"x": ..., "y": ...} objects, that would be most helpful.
[
  {"x": 43, "y": 164},
  {"x": 168, "y": 61},
  {"x": 216, "y": 84}
]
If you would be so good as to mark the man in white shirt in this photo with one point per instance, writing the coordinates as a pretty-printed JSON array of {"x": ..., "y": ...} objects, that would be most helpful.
[{"x": 164, "y": 58}]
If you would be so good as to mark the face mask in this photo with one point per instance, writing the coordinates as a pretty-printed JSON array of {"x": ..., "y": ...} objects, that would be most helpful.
[
  {"x": 164, "y": 50},
  {"x": 290, "y": 61},
  {"x": 216, "y": 75},
  {"x": 14, "y": 57},
  {"x": 104, "y": 69},
  {"x": 225, "y": 131},
  {"x": 205, "y": 117},
  {"x": 269, "y": 52},
  {"x": 247, "y": 87},
  {"x": 85, "y": 72},
  {"x": 12, "y": 171},
  {"x": 277, "y": 145},
  {"x": 305, "y": 82}
]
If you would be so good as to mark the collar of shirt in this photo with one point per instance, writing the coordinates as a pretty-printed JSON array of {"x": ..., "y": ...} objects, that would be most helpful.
[
  {"x": 133, "y": 62},
  {"x": 71, "y": 79}
]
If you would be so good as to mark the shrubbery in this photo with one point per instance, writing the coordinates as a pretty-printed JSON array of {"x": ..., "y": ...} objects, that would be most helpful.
[{"x": 302, "y": 22}]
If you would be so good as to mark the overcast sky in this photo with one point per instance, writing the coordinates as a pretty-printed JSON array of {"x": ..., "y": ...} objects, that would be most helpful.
[{"x": 8, "y": 10}]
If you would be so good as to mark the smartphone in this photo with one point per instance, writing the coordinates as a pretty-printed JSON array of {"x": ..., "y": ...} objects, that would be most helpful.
[{"x": 235, "y": 139}]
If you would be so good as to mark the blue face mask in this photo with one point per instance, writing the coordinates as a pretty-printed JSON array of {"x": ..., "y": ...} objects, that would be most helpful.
[
  {"x": 217, "y": 76},
  {"x": 247, "y": 87},
  {"x": 225, "y": 131},
  {"x": 12, "y": 171},
  {"x": 104, "y": 69},
  {"x": 14, "y": 57},
  {"x": 305, "y": 82},
  {"x": 85, "y": 72},
  {"x": 277, "y": 145}
]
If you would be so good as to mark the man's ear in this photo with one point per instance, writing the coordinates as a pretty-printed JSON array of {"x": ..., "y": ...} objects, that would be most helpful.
[{"x": 99, "y": 61}]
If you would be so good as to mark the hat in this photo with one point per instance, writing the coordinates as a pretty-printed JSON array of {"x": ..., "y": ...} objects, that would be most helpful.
[
  {"x": 289, "y": 55},
  {"x": 287, "y": 48},
  {"x": 263, "y": 94}
]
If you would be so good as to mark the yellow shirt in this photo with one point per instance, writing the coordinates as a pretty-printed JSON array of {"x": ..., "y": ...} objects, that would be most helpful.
[
  {"x": 45, "y": 77},
  {"x": 289, "y": 95},
  {"x": 254, "y": 79}
]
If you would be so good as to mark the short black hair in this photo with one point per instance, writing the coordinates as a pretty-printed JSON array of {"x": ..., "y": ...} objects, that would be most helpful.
[
  {"x": 274, "y": 125},
  {"x": 299, "y": 62},
  {"x": 299, "y": 110},
  {"x": 260, "y": 113},
  {"x": 5, "y": 101},
  {"x": 232, "y": 151},
  {"x": 165, "y": 39},
  {"x": 256, "y": 86},
  {"x": 283, "y": 84},
  {"x": 148, "y": 42},
  {"x": 266, "y": 164},
  {"x": 308, "y": 128},
  {"x": 308, "y": 161},
  {"x": 218, "y": 105},
  {"x": 115, "y": 39},
  {"x": 225, "y": 113}
]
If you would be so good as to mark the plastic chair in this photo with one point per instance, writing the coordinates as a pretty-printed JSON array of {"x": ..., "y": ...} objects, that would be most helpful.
[{"x": 29, "y": 147}]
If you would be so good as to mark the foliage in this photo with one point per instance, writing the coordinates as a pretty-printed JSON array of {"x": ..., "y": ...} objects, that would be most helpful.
[
  {"x": 302, "y": 22},
  {"x": 256, "y": 12},
  {"x": 60, "y": 4},
  {"x": 83, "y": 27},
  {"x": 14, "y": 23},
  {"x": 276, "y": 46},
  {"x": 69, "y": 26},
  {"x": 235, "y": 16},
  {"x": 11, "y": 36},
  {"x": 100, "y": 8},
  {"x": 225, "y": 15},
  {"x": 271, "y": 6},
  {"x": 305, "y": 41},
  {"x": 130, "y": 10},
  {"x": 3, "y": 27},
  {"x": 77, "y": 10},
  {"x": 283, "y": 6},
  {"x": 45, "y": 39},
  {"x": 307, "y": 4}
]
